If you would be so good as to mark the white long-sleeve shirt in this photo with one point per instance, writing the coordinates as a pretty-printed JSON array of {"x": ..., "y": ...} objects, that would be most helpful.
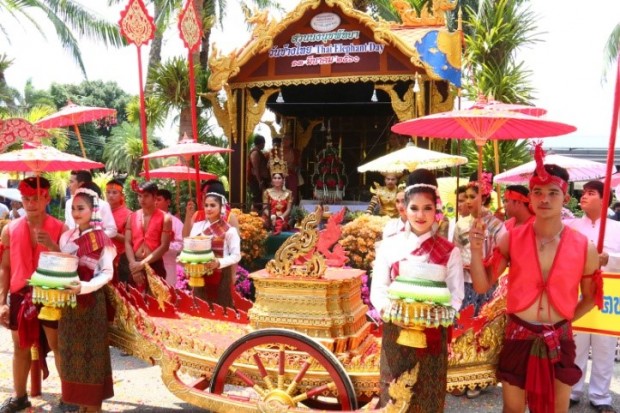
[
  {"x": 103, "y": 268},
  {"x": 611, "y": 242},
  {"x": 107, "y": 219},
  {"x": 232, "y": 243},
  {"x": 176, "y": 245},
  {"x": 399, "y": 247}
]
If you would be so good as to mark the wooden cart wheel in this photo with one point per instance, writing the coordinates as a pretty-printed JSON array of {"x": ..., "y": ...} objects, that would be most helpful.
[{"x": 273, "y": 388}]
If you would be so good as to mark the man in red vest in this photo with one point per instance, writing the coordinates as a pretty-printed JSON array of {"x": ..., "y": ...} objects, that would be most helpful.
[
  {"x": 147, "y": 235},
  {"x": 549, "y": 264},
  {"x": 23, "y": 240},
  {"x": 116, "y": 198}
]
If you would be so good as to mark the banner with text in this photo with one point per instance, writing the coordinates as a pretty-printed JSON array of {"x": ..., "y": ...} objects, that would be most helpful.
[{"x": 607, "y": 320}]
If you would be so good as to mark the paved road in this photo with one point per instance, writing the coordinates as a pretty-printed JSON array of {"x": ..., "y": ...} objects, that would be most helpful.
[{"x": 138, "y": 388}]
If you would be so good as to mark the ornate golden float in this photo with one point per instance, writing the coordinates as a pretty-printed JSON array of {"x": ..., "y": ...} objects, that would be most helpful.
[{"x": 305, "y": 342}]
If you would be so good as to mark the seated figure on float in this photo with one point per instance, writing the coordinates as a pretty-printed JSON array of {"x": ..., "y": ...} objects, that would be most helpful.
[
  {"x": 277, "y": 200},
  {"x": 417, "y": 287},
  {"x": 383, "y": 201}
]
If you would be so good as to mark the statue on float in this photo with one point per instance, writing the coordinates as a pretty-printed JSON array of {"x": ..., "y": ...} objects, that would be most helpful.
[
  {"x": 329, "y": 179},
  {"x": 383, "y": 201}
]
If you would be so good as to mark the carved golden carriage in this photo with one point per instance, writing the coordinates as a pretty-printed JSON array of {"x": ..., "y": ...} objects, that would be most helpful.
[{"x": 305, "y": 342}]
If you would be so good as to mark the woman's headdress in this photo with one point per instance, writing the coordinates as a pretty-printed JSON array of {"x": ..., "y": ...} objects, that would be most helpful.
[
  {"x": 543, "y": 177},
  {"x": 224, "y": 207},
  {"x": 277, "y": 164},
  {"x": 95, "y": 217}
]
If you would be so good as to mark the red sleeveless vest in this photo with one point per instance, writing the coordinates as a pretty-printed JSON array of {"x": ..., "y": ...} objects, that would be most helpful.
[
  {"x": 25, "y": 258},
  {"x": 525, "y": 279},
  {"x": 152, "y": 236}
]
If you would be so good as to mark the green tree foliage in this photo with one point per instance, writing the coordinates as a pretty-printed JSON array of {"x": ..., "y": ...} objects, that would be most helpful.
[
  {"x": 512, "y": 154},
  {"x": 69, "y": 19},
  {"x": 123, "y": 151},
  {"x": 87, "y": 93},
  {"x": 612, "y": 49},
  {"x": 498, "y": 30}
]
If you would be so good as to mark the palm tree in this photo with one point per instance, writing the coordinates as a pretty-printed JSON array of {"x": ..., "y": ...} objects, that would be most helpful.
[
  {"x": 123, "y": 151},
  {"x": 8, "y": 96},
  {"x": 69, "y": 19},
  {"x": 612, "y": 49},
  {"x": 496, "y": 31}
]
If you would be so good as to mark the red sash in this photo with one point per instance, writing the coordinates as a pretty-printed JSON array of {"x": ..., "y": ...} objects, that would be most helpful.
[
  {"x": 437, "y": 248},
  {"x": 218, "y": 231},
  {"x": 90, "y": 247}
]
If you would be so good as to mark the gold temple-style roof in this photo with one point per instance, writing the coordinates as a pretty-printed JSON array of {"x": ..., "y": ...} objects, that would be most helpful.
[{"x": 428, "y": 47}]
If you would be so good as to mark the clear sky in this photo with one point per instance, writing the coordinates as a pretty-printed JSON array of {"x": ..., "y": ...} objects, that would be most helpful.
[{"x": 567, "y": 64}]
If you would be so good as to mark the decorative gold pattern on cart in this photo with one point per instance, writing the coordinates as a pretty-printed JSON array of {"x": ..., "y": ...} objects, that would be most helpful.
[
  {"x": 296, "y": 247},
  {"x": 400, "y": 391}
]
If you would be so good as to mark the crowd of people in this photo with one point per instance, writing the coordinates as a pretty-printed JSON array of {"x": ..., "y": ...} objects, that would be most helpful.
[
  {"x": 554, "y": 277},
  {"x": 548, "y": 261},
  {"x": 113, "y": 244}
]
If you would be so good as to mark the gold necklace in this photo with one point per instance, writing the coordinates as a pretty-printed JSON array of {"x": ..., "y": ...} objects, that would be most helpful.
[{"x": 541, "y": 247}]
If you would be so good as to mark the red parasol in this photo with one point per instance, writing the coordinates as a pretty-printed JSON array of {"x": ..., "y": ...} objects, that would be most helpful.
[
  {"x": 482, "y": 125},
  {"x": 41, "y": 158},
  {"x": 18, "y": 129},
  {"x": 73, "y": 115},
  {"x": 187, "y": 148}
]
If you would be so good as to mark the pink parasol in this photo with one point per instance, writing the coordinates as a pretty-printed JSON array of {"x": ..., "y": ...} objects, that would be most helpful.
[
  {"x": 482, "y": 125},
  {"x": 18, "y": 129},
  {"x": 509, "y": 107},
  {"x": 178, "y": 172},
  {"x": 41, "y": 158},
  {"x": 73, "y": 115},
  {"x": 186, "y": 147},
  {"x": 578, "y": 170}
]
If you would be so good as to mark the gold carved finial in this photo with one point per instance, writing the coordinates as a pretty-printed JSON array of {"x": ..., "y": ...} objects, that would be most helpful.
[
  {"x": 435, "y": 16},
  {"x": 297, "y": 247}
]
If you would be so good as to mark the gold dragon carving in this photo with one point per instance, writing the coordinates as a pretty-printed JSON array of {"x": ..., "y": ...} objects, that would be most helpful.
[
  {"x": 297, "y": 247},
  {"x": 158, "y": 288},
  {"x": 225, "y": 112},
  {"x": 402, "y": 107},
  {"x": 254, "y": 110},
  {"x": 222, "y": 67},
  {"x": 260, "y": 20},
  {"x": 304, "y": 134},
  {"x": 434, "y": 17}
]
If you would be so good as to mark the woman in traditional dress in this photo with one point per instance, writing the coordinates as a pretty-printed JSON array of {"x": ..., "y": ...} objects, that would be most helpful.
[
  {"x": 477, "y": 197},
  {"x": 86, "y": 370},
  {"x": 416, "y": 247},
  {"x": 192, "y": 216},
  {"x": 226, "y": 246},
  {"x": 277, "y": 202}
]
